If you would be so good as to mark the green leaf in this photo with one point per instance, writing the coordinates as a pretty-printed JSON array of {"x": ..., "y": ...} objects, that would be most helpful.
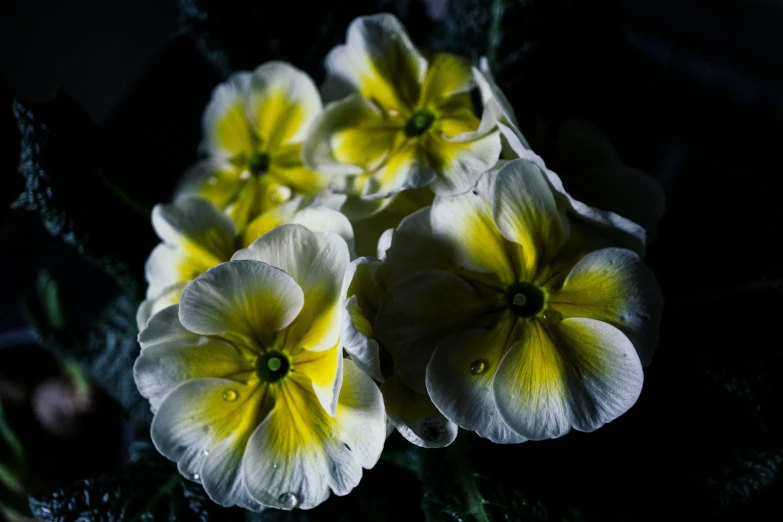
[
  {"x": 149, "y": 488},
  {"x": 106, "y": 350},
  {"x": 63, "y": 161}
]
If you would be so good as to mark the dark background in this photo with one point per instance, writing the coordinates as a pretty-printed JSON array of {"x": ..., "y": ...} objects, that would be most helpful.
[{"x": 690, "y": 91}]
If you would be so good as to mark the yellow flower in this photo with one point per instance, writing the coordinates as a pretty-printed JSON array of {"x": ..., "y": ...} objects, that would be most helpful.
[
  {"x": 251, "y": 395},
  {"x": 412, "y": 413},
  {"x": 195, "y": 236},
  {"x": 404, "y": 120},
  {"x": 254, "y": 126},
  {"x": 519, "y": 323}
]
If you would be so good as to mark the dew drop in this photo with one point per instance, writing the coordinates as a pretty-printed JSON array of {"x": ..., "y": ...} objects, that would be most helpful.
[
  {"x": 274, "y": 466},
  {"x": 212, "y": 180},
  {"x": 288, "y": 500},
  {"x": 205, "y": 453},
  {"x": 478, "y": 367},
  {"x": 196, "y": 476},
  {"x": 229, "y": 395},
  {"x": 245, "y": 175}
]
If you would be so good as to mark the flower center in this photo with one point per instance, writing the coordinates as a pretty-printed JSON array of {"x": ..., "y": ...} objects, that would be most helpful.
[
  {"x": 525, "y": 299},
  {"x": 419, "y": 123},
  {"x": 258, "y": 163},
  {"x": 272, "y": 367}
]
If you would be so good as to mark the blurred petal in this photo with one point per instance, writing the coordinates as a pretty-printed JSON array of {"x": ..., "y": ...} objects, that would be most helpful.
[
  {"x": 214, "y": 179},
  {"x": 447, "y": 75},
  {"x": 321, "y": 219},
  {"x": 378, "y": 61},
  {"x": 350, "y": 137},
  {"x": 227, "y": 131},
  {"x": 246, "y": 298},
  {"x": 415, "y": 417},
  {"x": 282, "y": 103},
  {"x": 582, "y": 373}
]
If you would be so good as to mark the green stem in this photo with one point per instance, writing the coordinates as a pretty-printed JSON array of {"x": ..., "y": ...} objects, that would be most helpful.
[
  {"x": 466, "y": 479},
  {"x": 164, "y": 490},
  {"x": 125, "y": 198}
]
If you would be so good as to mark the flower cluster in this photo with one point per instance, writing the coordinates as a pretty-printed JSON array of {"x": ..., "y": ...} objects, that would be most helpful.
[{"x": 486, "y": 297}]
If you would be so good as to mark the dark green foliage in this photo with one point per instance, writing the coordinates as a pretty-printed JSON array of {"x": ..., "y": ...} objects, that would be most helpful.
[
  {"x": 63, "y": 165},
  {"x": 149, "y": 488}
]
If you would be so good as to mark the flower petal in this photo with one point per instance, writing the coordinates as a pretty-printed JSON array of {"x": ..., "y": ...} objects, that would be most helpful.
[
  {"x": 407, "y": 167},
  {"x": 465, "y": 227},
  {"x": 197, "y": 225},
  {"x": 246, "y": 298},
  {"x": 415, "y": 417},
  {"x": 321, "y": 219},
  {"x": 460, "y": 164},
  {"x": 525, "y": 211},
  {"x": 378, "y": 61},
  {"x": 149, "y": 307},
  {"x": 447, "y": 75},
  {"x": 350, "y": 137},
  {"x": 195, "y": 418},
  {"x": 172, "y": 355},
  {"x": 421, "y": 310},
  {"x": 317, "y": 262},
  {"x": 221, "y": 473},
  {"x": 227, "y": 131},
  {"x": 366, "y": 287},
  {"x": 582, "y": 373},
  {"x": 614, "y": 285},
  {"x": 459, "y": 382},
  {"x": 415, "y": 248},
  {"x": 298, "y": 453},
  {"x": 324, "y": 372},
  {"x": 282, "y": 102},
  {"x": 214, "y": 179}
]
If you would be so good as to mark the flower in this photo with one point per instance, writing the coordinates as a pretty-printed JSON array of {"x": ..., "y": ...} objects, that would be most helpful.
[
  {"x": 254, "y": 126},
  {"x": 412, "y": 414},
  {"x": 403, "y": 120},
  {"x": 251, "y": 395},
  {"x": 518, "y": 323},
  {"x": 196, "y": 236},
  {"x": 632, "y": 202}
]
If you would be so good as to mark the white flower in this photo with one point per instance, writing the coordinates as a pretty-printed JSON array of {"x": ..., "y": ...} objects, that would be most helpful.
[
  {"x": 518, "y": 323},
  {"x": 412, "y": 413},
  {"x": 196, "y": 236},
  {"x": 251, "y": 395},
  {"x": 403, "y": 120},
  {"x": 254, "y": 126}
]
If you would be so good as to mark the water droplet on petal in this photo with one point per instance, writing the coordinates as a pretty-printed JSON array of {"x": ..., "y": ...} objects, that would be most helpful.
[
  {"x": 245, "y": 175},
  {"x": 212, "y": 180},
  {"x": 196, "y": 476},
  {"x": 205, "y": 453},
  {"x": 478, "y": 367},
  {"x": 229, "y": 395},
  {"x": 288, "y": 500},
  {"x": 554, "y": 316},
  {"x": 274, "y": 466}
]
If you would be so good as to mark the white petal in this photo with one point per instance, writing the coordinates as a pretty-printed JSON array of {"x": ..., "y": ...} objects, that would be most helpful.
[
  {"x": 419, "y": 311},
  {"x": 242, "y": 297},
  {"x": 193, "y": 220},
  {"x": 321, "y": 219},
  {"x": 149, "y": 307},
  {"x": 317, "y": 261},
  {"x": 463, "y": 160},
  {"x": 226, "y": 129},
  {"x": 459, "y": 382},
  {"x": 582, "y": 373},
  {"x": 364, "y": 350},
  {"x": 415, "y": 417}
]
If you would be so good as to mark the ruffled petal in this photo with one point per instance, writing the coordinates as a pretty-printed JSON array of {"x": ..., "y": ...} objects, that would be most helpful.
[
  {"x": 282, "y": 102},
  {"x": 614, "y": 285},
  {"x": 378, "y": 61},
  {"x": 459, "y": 382},
  {"x": 415, "y": 417},
  {"x": 149, "y": 307},
  {"x": 581, "y": 373},
  {"x": 227, "y": 131},
  {"x": 525, "y": 211},
  {"x": 317, "y": 262},
  {"x": 245, "y": 298},
  {"x": 350, "y": 137}
]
